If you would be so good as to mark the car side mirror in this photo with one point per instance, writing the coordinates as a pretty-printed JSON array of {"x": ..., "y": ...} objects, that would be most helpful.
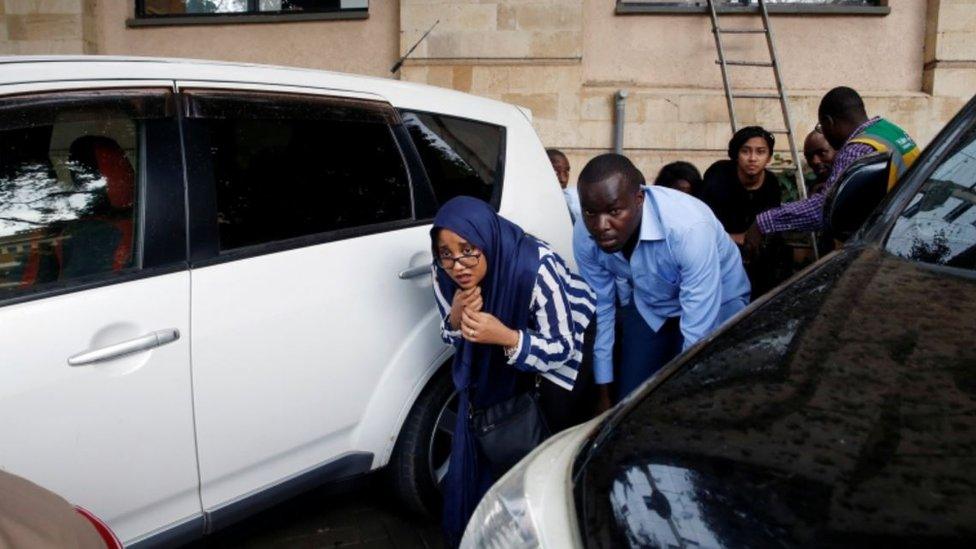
[{"x": 860, "y": 189}]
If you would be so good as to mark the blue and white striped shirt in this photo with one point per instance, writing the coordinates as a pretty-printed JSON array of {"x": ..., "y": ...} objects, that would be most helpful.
[{"x": 562, "y": 306}]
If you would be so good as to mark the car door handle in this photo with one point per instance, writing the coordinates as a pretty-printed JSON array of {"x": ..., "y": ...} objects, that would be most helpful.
[
  {"x": 413, "y": 272},
  {"x": 137, "y": 345}
]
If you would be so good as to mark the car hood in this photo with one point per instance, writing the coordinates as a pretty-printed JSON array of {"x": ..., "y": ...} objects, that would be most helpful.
[{"x": 841, "y": 411}]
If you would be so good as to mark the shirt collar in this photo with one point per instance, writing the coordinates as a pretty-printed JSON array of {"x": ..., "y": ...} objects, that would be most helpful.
[
  {"x": 861, "y": 128},
  {"x": 651, "y": 228}
]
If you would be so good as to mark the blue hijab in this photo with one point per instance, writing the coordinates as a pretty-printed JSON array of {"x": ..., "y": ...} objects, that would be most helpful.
[{"x": 479, "y": 371}]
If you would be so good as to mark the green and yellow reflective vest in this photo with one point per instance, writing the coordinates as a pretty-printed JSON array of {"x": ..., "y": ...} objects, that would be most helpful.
[{"x": 884, "y": 136}]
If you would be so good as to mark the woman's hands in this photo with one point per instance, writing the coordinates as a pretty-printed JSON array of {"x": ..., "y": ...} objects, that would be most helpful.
[
  {"x": 476, "y": 326},
  {"x": 465, "y": 299},
  {"x": 479, "y": 327}
]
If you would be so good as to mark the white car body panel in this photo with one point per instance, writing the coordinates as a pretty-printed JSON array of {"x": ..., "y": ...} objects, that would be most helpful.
[
  {"x": 114, "y": 437},
  {"x": 287, "y": 350},
  {"x": 291, "y": 365}
]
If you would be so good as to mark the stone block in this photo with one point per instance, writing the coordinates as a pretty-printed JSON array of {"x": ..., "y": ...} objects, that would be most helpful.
[
  {"x": 23, "y": 7},
  {"x": 490, "y": 80},
  {"x": 549, "y": 17},
  {"x": 40, "y": 27},
  {"x": 951, "y": 82},
  {"x": 527, "y": 78},
  {"x": 702, "y": 108},
  {"x": 557, "y": 44},
  {"x": 957, "y": 17},
  {"x": 661, "y": 109},
  {"x": 543, "y": 105},
  {"x": 462, "y": 78},
  {"x": 592, "y": 134},
  {"x": 596, "y": 107},
  {"x": 957, "y": 46},
  {"x": 506, "y": 18},
  {"x": 47, "y": 47},
  {"x": 440, "y": 76},
  {"x": 689, "y": 136}
]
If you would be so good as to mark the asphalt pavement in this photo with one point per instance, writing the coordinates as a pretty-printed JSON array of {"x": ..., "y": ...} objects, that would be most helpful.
[{"x": 363, "y": 515}]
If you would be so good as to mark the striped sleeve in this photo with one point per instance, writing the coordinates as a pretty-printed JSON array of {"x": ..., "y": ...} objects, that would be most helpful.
[
  {"x": 562, "y": 307},
  {"x": 451, "y": 337}
]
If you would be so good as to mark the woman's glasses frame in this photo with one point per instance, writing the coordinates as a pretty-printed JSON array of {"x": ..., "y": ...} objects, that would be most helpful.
[{"x": 466, "y": 260}]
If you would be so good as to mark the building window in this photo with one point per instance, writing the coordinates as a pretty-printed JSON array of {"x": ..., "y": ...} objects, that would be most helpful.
[
  {"x": 224, "y": 8},
  {"x": 854, "y": 7}
]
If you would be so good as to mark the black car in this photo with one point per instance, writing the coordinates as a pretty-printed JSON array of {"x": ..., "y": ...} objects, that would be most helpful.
[{"x": 839, "y": 410}]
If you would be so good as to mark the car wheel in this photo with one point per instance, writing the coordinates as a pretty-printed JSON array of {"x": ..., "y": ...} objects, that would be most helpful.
[{"x": 423, "y": 449}]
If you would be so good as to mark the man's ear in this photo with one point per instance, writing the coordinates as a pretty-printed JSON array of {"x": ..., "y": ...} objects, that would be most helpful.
[{"x": 640, "y": 197}]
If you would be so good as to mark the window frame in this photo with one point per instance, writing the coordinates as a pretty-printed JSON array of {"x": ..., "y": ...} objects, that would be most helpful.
[
  {"x": 159, "y": 215},
  {"x": 204, "y": 235},
  {"x": 498, "y": 184},
  {"x": 636, "y": 7},
  {"x": 252, "y": 15}
]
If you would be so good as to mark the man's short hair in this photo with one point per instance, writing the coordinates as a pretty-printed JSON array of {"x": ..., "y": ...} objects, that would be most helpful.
[
  {"x": 747, "y": 133},
  {"x": 554, "y": 153},
  {"x": 842, "y": 103},
  {"x": 610, "y": 164},
  {"x": 679, "y": 170}
]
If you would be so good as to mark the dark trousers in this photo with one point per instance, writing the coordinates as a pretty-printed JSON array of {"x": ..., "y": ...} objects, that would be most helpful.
[
  {"x": 563, "y": 408},
  {"x": 641, "y": 350}
]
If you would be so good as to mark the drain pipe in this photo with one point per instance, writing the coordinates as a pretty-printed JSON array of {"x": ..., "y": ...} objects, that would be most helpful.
[{"x": 620, "y": 108}]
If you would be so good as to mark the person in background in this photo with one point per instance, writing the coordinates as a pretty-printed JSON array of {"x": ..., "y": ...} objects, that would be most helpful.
[
  {"x": 681, "y": 176},
  {"x": 738, "y": 189},
  {"x": 847, "y": 128},
  {"x": 560, "y": 165},
  {"x": 820, "y": 157},
  {"x": 685, "y": 272},
  {"x": 512, "y": 310}
]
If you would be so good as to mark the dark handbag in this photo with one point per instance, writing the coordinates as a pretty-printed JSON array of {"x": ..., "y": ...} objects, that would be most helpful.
[{"x": 506, "y": 432}]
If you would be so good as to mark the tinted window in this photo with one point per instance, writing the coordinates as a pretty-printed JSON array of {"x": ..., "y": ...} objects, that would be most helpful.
[
  {"x": 70, "y": 164},
  {"x": 286, "y": 166},
  {"x": 462, "y": 157},
  {"x": 939, "y": 224}
]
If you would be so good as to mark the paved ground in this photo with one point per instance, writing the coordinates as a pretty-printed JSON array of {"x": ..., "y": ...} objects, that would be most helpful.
[{"x": 365, "y": 515}]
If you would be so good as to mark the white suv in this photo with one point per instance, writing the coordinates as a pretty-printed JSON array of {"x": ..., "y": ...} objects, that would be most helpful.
[{"x": 214, "y": 279}]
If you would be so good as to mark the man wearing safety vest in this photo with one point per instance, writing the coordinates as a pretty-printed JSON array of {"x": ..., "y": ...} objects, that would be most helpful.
[{"x": 846, "y": 125}]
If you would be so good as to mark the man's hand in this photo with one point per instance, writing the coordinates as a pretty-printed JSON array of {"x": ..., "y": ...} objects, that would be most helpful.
[
  {"x": 602, "y": 398},
  {"x": 478, "y": 327},
  {"x": 753, "y": 239},
  {"x": 465, "y": 299}
]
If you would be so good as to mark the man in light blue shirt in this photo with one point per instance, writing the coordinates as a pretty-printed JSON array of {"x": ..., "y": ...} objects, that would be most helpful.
[
  {"x": 684, "y": 273},
  {"x": 560, "y": 165}
]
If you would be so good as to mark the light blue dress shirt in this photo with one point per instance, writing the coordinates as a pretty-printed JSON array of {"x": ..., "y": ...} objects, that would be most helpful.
[
  {"x": 684, "y": 264},
  {"x": 572, "y": 202}
]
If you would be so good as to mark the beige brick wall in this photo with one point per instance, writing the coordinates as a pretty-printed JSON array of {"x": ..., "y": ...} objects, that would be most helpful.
[
  {"x": 42, "y": 27},
  {"x": 950, "y": 48},
  {"x": 493, "y": 29},
  {"x": 676, "y": 109}
]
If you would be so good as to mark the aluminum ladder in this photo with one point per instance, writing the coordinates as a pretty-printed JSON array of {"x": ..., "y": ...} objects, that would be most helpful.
[{"x": 780, "y": 95}]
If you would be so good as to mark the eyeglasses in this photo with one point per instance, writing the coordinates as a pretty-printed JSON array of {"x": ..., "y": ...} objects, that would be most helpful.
[{"x": 466, "y": 260}]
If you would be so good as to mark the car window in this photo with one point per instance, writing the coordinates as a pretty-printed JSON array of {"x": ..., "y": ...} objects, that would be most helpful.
[
  {"x": 939, "y": 224},
  {"x": 70, "y": 164},
  {"x": 462, "y": 157},
  {"x": 286, "y": 166}
]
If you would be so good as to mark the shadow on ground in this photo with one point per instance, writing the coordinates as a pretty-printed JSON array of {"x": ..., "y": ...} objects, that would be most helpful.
[{"x": 361, "y": 515}]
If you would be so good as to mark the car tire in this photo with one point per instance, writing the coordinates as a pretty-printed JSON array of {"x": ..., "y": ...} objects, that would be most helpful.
[{"x": 422, "y": 450}]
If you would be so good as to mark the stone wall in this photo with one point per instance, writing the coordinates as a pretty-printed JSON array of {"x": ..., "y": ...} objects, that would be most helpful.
[
  {"x": 44, "y": 27},
  {"x": 565, "y": 60},
  {"x": 950, "y": 48}
]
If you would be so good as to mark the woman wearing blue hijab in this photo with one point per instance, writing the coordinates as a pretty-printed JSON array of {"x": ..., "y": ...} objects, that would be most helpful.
[{"x": 512, "y": 309}]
